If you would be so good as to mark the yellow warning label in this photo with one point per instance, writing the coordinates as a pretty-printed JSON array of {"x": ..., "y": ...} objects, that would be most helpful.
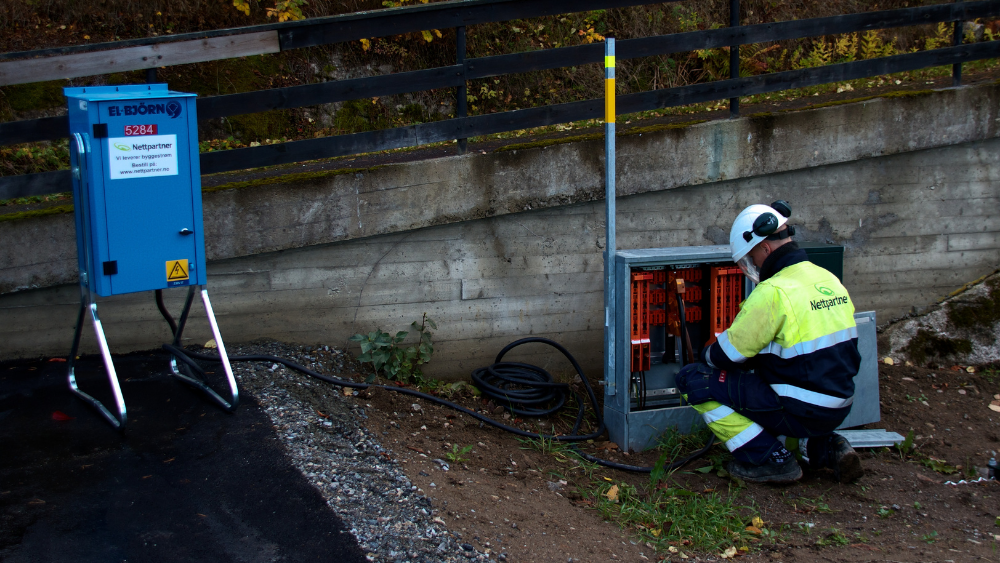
[{"x": 177, "y": 270}]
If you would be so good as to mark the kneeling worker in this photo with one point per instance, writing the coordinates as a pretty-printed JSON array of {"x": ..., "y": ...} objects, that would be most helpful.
[{"x": 796, "y": 332}]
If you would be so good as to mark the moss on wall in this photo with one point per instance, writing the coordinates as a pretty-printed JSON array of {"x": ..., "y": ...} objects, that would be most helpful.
[
  {"x": 926, "y": 345},
  {"x": 20, "y": 215},
  {"x": 981, "y": 313}
]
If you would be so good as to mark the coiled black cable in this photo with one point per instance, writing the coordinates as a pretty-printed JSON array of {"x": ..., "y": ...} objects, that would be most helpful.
[{"x": 520, "y": 386}]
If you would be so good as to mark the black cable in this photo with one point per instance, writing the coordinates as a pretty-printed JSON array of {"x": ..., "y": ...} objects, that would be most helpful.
[
  {"x": 508, "y": 375},
  {"x": 165, "y": 312}
]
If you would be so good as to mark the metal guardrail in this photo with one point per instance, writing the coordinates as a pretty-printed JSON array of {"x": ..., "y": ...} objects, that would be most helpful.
[{"x": 457, "y": 14}]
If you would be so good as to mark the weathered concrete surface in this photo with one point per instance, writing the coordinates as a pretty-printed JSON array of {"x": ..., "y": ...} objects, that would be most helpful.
[
  {"x": 347, "y": 204},
  {"x": 514, "y": 252}
]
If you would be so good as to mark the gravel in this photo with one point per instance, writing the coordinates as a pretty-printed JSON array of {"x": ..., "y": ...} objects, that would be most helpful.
[{"x": 325, "y": 438}]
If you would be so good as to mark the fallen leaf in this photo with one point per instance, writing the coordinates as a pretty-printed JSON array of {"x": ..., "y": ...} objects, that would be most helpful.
[
  {"x": 907, "y": 379},
  {"x": 36, "y": 501},
  {"x": 57, "y": 359},
  {"x": 970, "y": 369},
  {"x": 612, "y": 493},
  {"x": 757, "y": 521},
  {"x": 61, "y": 416},
  {"x": 994, "y": 407},
  {"x": 888, "y": 361},
  {"x": 926, "y": 479},
  {"x": 169, "y": 460},
  {"x": 731, "y": 552},
  {"x": 655, "y": 532},
  {"x": 147, "y": 476},
  {"x": 608, "y": 479},
  {"x": 956, "y": 368},
  {"x": 754, "y": 530},
  {"x": 211, "y": 344},
  {"x": 997, "y": 396},
  {"x": 437, "y": 519},
  {"x": 348, "y": 391}
]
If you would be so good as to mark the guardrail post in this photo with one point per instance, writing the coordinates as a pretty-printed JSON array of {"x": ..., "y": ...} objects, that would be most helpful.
[
  {"x": 734, "y": 56},
  {"x": 461, "y": 109},
  {"x": 956, "y": 69}
]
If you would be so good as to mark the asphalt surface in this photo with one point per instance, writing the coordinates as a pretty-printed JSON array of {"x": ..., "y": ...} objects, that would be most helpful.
[{"x": 185, "y": 482}]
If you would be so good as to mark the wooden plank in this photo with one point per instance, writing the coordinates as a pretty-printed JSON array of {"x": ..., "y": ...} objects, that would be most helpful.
[
  {"x": 137, "y": 58},
  {"x": 774, "y": 82},
  {"x": 328, "y": 92},
  {"x": 310, "y": 149},
  {"x": 32, "y": 130},
  {"x": 545, "y": 59},
  {"x": 43, "y": 183}
]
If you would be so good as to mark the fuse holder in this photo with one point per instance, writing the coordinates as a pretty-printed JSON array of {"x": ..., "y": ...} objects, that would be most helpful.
[
  {"x": 692, "y": 313},
  {"x": 657, "y": 317},
  {"x": 657, "y": 297},
  {"x": 726, "y": 293},
  {"x": 640, "y": 320}
]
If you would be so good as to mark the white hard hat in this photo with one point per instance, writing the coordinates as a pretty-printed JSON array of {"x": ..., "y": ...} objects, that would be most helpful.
[{"x": 754, "y": 224}]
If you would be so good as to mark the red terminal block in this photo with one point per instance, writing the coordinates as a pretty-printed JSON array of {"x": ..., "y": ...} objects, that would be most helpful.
[
  {"x": 692, "y": 294},
  {"x": 657, "y": 297},
  {"x": 657, "y": 317},
  {"x": 692, "y": 313},
  {"x": 659, "y": 277},
  {"x": 689, "y": 274},
  {"x": 640, "y": 320},
  {"x": 726, "y": 294}
]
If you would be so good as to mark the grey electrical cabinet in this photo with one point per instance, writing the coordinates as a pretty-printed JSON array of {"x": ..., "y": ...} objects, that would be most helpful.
[{"x": 637, "y": 415}]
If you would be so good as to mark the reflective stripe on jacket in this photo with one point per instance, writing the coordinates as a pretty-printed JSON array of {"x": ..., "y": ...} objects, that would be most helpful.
[{"x": 798, "y": 328}]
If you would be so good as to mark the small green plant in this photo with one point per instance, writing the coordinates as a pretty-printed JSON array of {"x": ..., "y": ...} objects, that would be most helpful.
[
  {"x": 938, "y": 465},
  {"x": 835, "y": 537},
  {"x": 929, "y": 538},
  {"x": 990, "y": 374},
  {"x": 906, "y": 446},
  {"x": 885, "y": 512},
  {"x": 455, "y": 455},
  {"x": 390, "y": 359},
  {"x": 808, "y": 505},
  {"x": 917, "y": 505}
]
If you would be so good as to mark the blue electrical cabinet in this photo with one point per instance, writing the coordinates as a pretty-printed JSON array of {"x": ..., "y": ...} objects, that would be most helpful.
[
  {"x": 137, "y": 197},
  {"x": 137, "y": 188}
]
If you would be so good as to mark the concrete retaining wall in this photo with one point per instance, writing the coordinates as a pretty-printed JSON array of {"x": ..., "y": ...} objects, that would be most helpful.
[{"x": 503, "y": 245}]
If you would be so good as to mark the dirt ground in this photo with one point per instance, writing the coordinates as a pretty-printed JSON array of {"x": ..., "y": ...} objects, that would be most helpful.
[{"x": 527, "y": 505}]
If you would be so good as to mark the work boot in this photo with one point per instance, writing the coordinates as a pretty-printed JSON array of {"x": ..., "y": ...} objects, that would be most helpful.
[
  {"x": 835, "y": 452},
  {"x": 772, "y": 471}
]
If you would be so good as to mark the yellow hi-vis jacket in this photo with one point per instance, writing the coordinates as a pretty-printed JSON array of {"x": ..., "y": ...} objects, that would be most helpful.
[{"x": 797, "y": 330}]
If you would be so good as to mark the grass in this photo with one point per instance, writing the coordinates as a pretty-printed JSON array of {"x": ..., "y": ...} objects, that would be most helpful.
[
  {"x": 808, "y": 505},
  {"x": 673, "y": 516},
  {"x": 563, "y": 452}
]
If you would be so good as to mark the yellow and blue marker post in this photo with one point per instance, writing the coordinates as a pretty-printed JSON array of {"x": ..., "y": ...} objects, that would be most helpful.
[{"x": 609, "y": 198}]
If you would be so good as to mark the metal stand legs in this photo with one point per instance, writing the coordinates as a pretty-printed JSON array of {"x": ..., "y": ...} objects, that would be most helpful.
[
  {"x": 87, "y": 302},
  {"x": 194, "y": 382}
]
